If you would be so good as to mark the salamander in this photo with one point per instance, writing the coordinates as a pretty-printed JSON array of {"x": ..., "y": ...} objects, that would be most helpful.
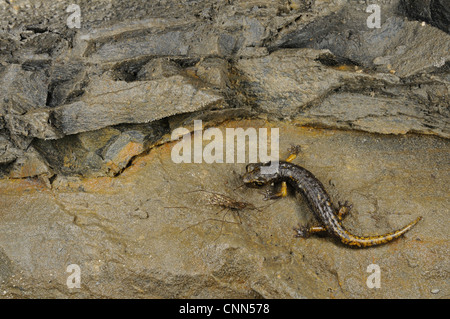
[{"x": 318, "y": 200}]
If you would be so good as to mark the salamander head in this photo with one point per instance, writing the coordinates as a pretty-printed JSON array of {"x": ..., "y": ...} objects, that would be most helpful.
[{"x": 255, "y": 178}]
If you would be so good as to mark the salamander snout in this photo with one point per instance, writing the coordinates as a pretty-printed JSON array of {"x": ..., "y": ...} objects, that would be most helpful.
[{"x": 254, "y": 177}]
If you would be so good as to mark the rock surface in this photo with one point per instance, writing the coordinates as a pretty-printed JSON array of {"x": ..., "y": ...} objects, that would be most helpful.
[
  {"x": 86, "y": 116},
  {"x": 437, "y": 13},
  {"x": 294, "y": 84},
  {"x": 108, "y": 102},
  {"x": 145, "y": 234}
]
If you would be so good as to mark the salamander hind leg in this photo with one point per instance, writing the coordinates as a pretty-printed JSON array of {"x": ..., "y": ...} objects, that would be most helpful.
[
  {"x": 343, "y": 210},
  {"x": 306, "y": 231}
]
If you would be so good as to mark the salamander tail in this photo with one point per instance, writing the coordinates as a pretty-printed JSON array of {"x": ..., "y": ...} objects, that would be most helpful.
[{"x": 352, "y": 240}]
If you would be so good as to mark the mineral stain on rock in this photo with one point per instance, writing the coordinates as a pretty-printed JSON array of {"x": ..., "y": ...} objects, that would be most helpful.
[
  {"x": 86, "y": 117},
  {"x": 118, "y": 154}
]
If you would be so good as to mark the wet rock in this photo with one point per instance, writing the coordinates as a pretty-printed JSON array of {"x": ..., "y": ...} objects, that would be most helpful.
[
  {"x": 108, "y": 102},
  {"x": 141, "y": 235}
]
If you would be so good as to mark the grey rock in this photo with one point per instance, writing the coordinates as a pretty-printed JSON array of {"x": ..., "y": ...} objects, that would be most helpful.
[
  {"x": 253, "y": 31},
  {"x": 376, "y": 114},
  {"x": 34, "y": 123},
  {"x": 289, "y": 80},
  {"x": 102, "y": 152},
  {"x": 8, "y": 46},
  {"x": 77, "y": 154},
  {"x": 437, "y": 13},
  {"x": 68, "y": 79},
  {"x": 414, "y": 48},
  {"x": 251, "y": 52},
  {"x": 22, "y": 90},
  {"x": 30, "y": 164},
  {"x": 298, "y": 84},
  {"x": 158, "y": 68},
  {"x": 169, "y": 43},
  {"x": 96, "y": 140},
  {"x": 155, "y": 37},
  {"x": 107, "y": 102},
  {"x": 404, "y": 47},
  {"x": 8, "y": 153},
  {"x": 122, "y": 149},
  {"x": 40, "y": 45},
  {"x": 214, "y": 71},
  {"x": 209, "y": 119}
]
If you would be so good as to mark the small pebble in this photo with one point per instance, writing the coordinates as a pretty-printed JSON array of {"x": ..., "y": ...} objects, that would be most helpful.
[{"x": 434, "y": 291}]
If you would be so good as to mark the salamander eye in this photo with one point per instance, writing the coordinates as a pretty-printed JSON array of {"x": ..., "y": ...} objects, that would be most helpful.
[{"x": 251, "y": 167}]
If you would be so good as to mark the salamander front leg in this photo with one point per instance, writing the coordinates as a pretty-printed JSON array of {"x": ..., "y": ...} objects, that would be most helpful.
[
  {"x": 293, "y": 152},
  {"x": 306, "y": 231},
  {"x": 280, "y": 194}
]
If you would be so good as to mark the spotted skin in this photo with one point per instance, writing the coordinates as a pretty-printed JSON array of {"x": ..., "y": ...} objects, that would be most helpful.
[{"x": 319, "y": 201}]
